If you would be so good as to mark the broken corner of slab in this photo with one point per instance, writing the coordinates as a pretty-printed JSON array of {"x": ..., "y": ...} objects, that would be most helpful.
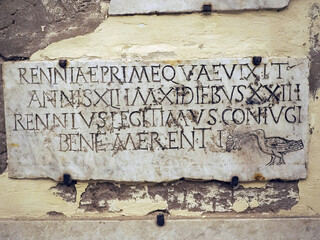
[{"x": 132, "y": 7}]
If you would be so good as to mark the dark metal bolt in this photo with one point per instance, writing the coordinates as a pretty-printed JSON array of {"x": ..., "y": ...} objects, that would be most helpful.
[
  {"x": 256, "y": 60},
  {"x": 160, "y": 220},
  {"x": 63, "y": 63},
  {"x": 67, "y": 179},
  {"x": 234, "y": 181},
  {"x": 206, "y": 8}
]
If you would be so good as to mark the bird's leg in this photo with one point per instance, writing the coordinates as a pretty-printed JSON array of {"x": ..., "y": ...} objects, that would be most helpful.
[
  {"x": 271, "y": 161},
  {"x": 281, "y": 161}
]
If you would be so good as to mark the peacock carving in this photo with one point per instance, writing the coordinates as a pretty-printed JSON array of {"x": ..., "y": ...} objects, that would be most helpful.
[{"x": 274, "y": 146}]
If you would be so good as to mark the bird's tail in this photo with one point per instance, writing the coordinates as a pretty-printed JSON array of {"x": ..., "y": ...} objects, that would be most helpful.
[{"x": 296, "y": 145}]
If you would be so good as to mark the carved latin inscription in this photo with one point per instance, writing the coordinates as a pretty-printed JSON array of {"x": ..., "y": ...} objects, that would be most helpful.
[{"x": 157, "y": 121}]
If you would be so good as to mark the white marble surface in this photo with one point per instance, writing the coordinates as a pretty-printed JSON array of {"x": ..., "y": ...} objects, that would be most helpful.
[
  {"x": 250, "y": 228},
  {"x": 154, "y": 121},
  {"x": 122, "y": 7}
]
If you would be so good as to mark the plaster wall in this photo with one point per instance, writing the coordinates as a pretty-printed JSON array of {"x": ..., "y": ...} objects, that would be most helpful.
[{"x": 291, "y": 32}]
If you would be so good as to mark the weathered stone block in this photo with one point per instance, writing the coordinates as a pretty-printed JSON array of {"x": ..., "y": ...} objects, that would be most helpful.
[{"x": 158, "y": 121}]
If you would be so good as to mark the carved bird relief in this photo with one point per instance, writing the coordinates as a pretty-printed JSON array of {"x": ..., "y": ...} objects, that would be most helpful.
[{"x": 276, "y": 146}]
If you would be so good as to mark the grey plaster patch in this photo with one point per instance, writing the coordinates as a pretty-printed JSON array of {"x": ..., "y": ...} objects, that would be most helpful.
[
  {"x": 27, "y": 26},
  {"x": 68, "y": 194},
  {"x": 205, "y": 197},
  {"x": 3, "y": 143},
  {"x": 275, "y": 196},
  {"x": 96, "y": 192},
  {"x": 55, "y": 214},
  {"x": 3, "y": 162},
  {"x": 314, "y": 74}
]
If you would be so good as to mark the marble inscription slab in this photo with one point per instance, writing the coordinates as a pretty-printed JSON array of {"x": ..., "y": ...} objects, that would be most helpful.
[
  {"x": 123, "y": 7},
  {"x": 157, "y": 121}
]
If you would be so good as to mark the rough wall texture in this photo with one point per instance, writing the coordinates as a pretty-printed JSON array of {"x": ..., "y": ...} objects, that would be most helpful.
[
  {"x": 314, "y": 49},
  {"x": 67, "y": 193},
  {"x": 3, "y": 147},
  {"x": 183, "y": 195},
  {"x": 27, "y": 26}
]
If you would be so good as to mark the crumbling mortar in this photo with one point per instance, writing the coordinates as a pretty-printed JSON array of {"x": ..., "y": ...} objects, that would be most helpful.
[{"x": 280, "y": 194}]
